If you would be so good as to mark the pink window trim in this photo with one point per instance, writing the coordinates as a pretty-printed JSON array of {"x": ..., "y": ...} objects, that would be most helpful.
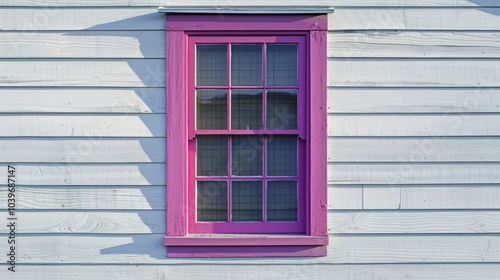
[{"x": 179, "y": 27}]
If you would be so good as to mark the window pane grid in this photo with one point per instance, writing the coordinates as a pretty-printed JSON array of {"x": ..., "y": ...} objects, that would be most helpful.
[{"x": 253, "y": 178}]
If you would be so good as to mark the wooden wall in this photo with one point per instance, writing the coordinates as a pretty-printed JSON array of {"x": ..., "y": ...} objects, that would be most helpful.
[{"x": 413, "y": 158}]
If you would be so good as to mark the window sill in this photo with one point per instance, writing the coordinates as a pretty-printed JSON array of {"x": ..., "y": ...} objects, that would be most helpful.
[{"x": 245, "y": 245}]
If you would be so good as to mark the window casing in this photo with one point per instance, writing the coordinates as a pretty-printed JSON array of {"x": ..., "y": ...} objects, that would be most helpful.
[{"x": 233, "y": 188}]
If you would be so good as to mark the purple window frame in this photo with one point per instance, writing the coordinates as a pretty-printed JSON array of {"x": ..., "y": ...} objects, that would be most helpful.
[{"x": 183, "y": 238}]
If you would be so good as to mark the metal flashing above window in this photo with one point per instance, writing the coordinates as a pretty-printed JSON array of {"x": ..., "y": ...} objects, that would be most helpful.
[{"x": 285, "y": 10}]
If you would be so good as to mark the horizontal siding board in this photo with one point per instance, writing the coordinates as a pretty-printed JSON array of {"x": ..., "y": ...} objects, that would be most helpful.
[
  {"x": 416, "y": 173},
  {"x": 194, "y": 3},
  {"x": 79, "y": 18},
  {"x": 83, "y": 73},
  {"x": 438, "y": 126},
  {"x": 87, "y": 198},
  {"x": 345, "y": 197},
  {"x": 413, "y": 73},
  {"x": 83, "y": 44},
  {"x": 88, "y": 222},
  {"x": 414, "y": 222},
  {"x": 83, "y": 150},
  {"x": 414, "y": 149},
  {"x": 410, "y": 44},
  {"x": 413, "y": 100},
  {"x": 142, "y": 174},
  {"x": 145, "y": 125},
  {"x": 252, "y": 271},
  {"x": 82, "y": 100},
  {"x": 355, "y": 249},
  {"x": 413, "y": 19}
]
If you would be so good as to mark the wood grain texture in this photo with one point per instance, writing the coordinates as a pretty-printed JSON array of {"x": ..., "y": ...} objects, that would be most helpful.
[
  {"x": 83, "y": 44},
  {"x": 83, "y": 73},
  {"x": 414, "y": 222},
  {"x": 414, "y": 100},
  {"x": 422, "y": 149},
  {"x": 78, "y": 18},
  {"x": 82, "y": 150},
  {"x": 194, "y": 3},
  {"x": 416, "y": 173},
  {"x": 413, "y": 73},
  {"x": 88, "y": 222},
  {"x": 145, "y": 125},
  {"x": 354, "y": 249},
  {"x": 40, "y": 198},
  {"x": 82, "y": 100},
  {"x": 252, "y": 271},
  {"x": 414, "y": 44},
  {"x": 435, "y": 125},
  {"x": 412, "y": 19},
  {"x": 89, "y": 174}
]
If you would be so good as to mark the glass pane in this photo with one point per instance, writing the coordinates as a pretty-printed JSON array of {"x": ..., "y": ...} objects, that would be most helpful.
[
  {"x": 211, "y": 155},
  {"x": 246, "y": 156},
  {"x": 211, "y": 201},
  {"x": 246, "y": 201},
  {"x": 282, "y": 155},
  {"x": 282, "y": 201},
  {"x": 211, "y": 65},
  {"x": 211, "y": 109},
  {"x": 246, "y": 65},
  {"x": 246, "y": 109},
  {"x": 282, "y": 65},
  {"x": 282, "y": 109}
]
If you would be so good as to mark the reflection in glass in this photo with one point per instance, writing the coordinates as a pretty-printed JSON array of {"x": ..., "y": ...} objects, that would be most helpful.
[
  {"x": 246, "y": 156},
  {"x": 282, "y": 65},
  {"x": 211, "y": 65},
  {"x": 211, "y": 109},
  {"x": 282, "y": 201},
  {"x": 211, "y": 156},
  {"x": 246, "y": 109},
  {"x": 281, "y": 109},
  {"x": 211, "y": 201},
  {"x": 246, "y": 65},
  {"x": 246, "y": 201}
]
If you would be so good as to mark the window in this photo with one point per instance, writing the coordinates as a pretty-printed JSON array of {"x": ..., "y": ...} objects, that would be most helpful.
[{"x": 246, "y": 135}]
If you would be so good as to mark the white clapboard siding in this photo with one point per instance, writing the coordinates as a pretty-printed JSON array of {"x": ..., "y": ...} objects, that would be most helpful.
[
  {"x": 413, "y": 72},
  {"x": 87, "y": 222},
  {"x": 83, "y": 44},
  {"x": 414, "y": 44},
  {"x": 82, "y": 100},
  {"x": 145, "y": 125},
  {"x": 414, "y": 125},
  {"x": 77, "y": 18},
  {"x": 413, "y": 100},
  {"x": 414, "y": 197},
  {"x": 89, "y": 174},
  {"x": 415, "y": 19},
  {"x": 194, "y": 3},
  {"x": 284, "y": 272},
  {"x": 83, "y": 73},
  {"x": 275, "y": 272},
  {"x": 355, "y": 249},
  {"x": 413, "y": 149},
  {"x": 82, "y": 150},
  {"x": 414, "y": 222},
  {"x": 416, "y": 173},
  {"x": 88, "y": 197}
]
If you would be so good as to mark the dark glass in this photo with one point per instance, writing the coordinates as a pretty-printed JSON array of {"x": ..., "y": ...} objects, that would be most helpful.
[
  {"x": 246, "y": 109},
  {"x": 211, "y": 65},
  {"x": 246, "y": 65},
  {"x": 246, "y": 156},
  {"x": 246, "y": 201},
  {"x": 211, "y": 155},
  {"x": 281, "y": 201},
  {"x": 211, "y": 201},
  {"x": 282, "y": 155},
  {"x": 282, "y": 65},
  {"x": 281, "y": 109},
  {"x": 211, "y": 109}
]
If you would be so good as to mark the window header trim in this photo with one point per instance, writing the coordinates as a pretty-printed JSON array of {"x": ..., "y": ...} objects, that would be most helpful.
[{"x": 285, "y": 10}]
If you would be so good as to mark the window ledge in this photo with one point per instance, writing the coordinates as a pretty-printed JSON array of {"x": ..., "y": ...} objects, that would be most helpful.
[{"x": 245, "y": 245}]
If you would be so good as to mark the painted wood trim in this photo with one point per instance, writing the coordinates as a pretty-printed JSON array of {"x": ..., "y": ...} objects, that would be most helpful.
[
  {"x": 186, "y": 22},
  {"x": 245, "y": 240},
  {"x": 176, "y": 135},
  {"x": 246, "y": 251},
  {"x": 318, "y": 133}
]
